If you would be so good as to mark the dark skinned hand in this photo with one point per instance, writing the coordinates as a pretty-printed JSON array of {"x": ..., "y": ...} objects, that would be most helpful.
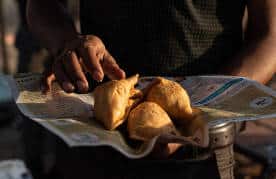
[{"x": 84, "y": 54}]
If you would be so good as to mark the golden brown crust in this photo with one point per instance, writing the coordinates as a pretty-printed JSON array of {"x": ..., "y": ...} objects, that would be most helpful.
[
  {"x": 172, "y": 97},
  {"x": 112, "y": 101},
  {"x": 148, "y": 120}
]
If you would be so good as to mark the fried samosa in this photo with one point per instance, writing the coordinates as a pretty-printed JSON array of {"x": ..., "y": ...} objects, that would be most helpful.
[
  {"x": 172, "y": 97},
  {"x": 113, "y": 101},
  {"x": 148, "y": 120}
]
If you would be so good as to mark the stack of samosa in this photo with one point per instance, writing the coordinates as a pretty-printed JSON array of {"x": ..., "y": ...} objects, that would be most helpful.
[{"x": 150, "y": 113}]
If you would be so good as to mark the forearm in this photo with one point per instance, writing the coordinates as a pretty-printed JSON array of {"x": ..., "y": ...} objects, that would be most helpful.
[
  {"x": 50, "y": 23},
  {"x": 257, "y": 60}
]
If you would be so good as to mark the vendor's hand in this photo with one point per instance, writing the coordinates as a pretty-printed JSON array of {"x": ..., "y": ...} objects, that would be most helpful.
[{"x": 86, "y": 54}]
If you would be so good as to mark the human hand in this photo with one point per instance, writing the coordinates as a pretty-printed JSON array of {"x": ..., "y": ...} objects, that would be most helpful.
[{"x": 84, "y": 54}]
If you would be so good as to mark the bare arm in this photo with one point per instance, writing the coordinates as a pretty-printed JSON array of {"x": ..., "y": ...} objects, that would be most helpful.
[
  {"x": 257, "y": 59},
  {"x": 50, "y": 23}
]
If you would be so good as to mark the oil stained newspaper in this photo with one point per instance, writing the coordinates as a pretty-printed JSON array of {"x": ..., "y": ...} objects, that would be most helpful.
[{"x": 70, "y": 116}]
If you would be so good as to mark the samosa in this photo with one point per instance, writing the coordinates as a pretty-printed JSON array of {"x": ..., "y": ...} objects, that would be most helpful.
[
  {"x": 113, "y": 101},
  {"x": 172, "y": 97},
  {"x": 148, "y": 120}
]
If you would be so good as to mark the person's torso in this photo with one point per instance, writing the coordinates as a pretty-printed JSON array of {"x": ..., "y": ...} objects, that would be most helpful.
[{"x": 166, "y": 37}]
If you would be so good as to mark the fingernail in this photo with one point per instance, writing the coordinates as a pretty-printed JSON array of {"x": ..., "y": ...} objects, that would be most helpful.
[
  {"x": 68, "y": 87},
  {"x": 123, "y": 74},
  {"x": 82, "y": 87},
  {"x": 98, "y": 76}
]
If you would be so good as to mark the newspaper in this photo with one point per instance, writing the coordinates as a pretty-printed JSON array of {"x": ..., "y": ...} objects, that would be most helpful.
[
  {"x": 14, "y": 169},
  {"x": 70, "y": 116}
]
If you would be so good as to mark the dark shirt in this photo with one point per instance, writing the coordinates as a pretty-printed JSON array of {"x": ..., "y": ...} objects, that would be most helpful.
[
  {"x": 166, "y": 37},
  {"x": 151, "y": 37}
]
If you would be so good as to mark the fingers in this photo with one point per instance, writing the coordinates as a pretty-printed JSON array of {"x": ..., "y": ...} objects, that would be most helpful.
[
  {"x": 111, "y": 68},
  {"x": 74, "y": 70},
  {"x": 62, "y": 78},
  {"x": 91, "y": 58},
  {"x": 47, "y": 80},
  {"x": 99, "y": 61}
]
